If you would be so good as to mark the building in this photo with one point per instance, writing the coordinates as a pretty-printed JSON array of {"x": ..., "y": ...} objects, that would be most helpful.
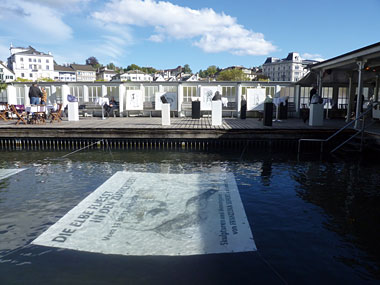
[
  {"x": 31, "y": 64},
  {"x": 84, "y": 72},
  {"x": 105, "y": 74},
  {"x": 291, "y": 68},
  {"x": 64, "y": 73},
  {"x": 133, "y": 75},
  {"x": 6, "y": 75},
  {"x": 170, "y": 73}
]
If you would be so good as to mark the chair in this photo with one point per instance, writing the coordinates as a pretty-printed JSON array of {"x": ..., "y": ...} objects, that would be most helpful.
[
  {"x": 21, "y": 115},
  {"x": 56, "y": 115},
  {"x": 4, "y": 111}
]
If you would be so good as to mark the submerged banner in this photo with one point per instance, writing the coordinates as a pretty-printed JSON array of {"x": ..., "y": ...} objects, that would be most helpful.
[
  {"x": 156, "y": 214},
  {"x": 4, "y": 173}
]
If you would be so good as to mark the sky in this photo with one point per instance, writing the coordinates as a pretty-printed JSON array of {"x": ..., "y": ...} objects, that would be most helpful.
[{"x": 166, "y": 34}]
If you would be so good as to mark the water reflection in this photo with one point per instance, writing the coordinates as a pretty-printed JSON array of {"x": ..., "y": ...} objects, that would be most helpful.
[
  {"x": 307, "y": 218},
  {"x": 349, "y": 194}
]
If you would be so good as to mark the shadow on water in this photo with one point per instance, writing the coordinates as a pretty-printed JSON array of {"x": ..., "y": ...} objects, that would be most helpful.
[{"x": 312, "y": 221}]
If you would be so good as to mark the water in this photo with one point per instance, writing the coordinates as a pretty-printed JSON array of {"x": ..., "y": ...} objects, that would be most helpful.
[{"x": 312, "y": 221}]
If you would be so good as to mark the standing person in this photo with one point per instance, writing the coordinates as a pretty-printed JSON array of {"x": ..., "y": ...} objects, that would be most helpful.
[
  {"x": 34, "y": 94},
  {"x": 44, "y": 96},
  {"x": 313, "y": 91}
]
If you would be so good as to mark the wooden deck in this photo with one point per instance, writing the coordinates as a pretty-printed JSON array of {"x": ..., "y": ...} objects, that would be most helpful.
[{"x": 143, "y": 127}]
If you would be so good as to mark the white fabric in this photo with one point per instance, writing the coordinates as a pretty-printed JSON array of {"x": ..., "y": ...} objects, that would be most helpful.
[
  {"x": 278, "y": 100},
  {"x": 156, "y": 214},
  {"x": 102, "y": 101},
  {"x": 35, "y": 108},
  {"x": 225, "y": 101}
]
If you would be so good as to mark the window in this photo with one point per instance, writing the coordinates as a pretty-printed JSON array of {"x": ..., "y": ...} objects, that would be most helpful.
[
  {"x": 31, "y": 75},
  {"x": 47, "y": 67},
  {"x": 189, "y": 92},
  {"x": 22, "y": 74},
  {"x": 39, "y": 67},
  {"x": 34, "y": 60},
  {"x": 20, "y": 98},
  {"x": 30, "y": 66},
  {"x": 342, "y": 97},
  {"x": 39, "y": 60},
  {"x": 22, "y": 66},
  {"x": 21, "y": 59},
  {"x": 296, "y": 67},
  {"x": 30, "y": 60},
  {"x": 47, "y": 61},
  {"x": 229, "y": 92}
]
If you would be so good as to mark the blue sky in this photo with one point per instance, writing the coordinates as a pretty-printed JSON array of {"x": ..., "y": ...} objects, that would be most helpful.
[{"x": 169, "y": 33}]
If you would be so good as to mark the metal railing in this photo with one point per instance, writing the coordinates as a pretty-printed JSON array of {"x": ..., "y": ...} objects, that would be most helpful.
[{"x": 361, "y": 131}]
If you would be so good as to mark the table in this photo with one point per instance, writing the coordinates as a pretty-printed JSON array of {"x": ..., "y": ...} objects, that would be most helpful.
[{"x": 38, "y": 113}]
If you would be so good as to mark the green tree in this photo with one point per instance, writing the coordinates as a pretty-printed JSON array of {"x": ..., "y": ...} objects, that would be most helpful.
[
  {"x": 209, "y": 72},
  {"x": 186, "y": 68},
  {"x": 3, "y": 86},
  {"x": 232, "y": 75},
  {"x": 45, "y": 79},
  {"x": 111, "y": 66},
  {"x": 133, "y": 67},
  {"x": 262, "y": 77},
  {"x": 148, "y": 70}
]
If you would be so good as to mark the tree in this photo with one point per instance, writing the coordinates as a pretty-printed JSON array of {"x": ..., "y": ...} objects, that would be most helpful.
[
  {"x": 133, "y": 67},
  {"x": 93, "y": 62},
  {"x": 186, "y": 68},
  {"x": 232, "y": 75},
  {"x": 111, "y": 66},
  {"x": 45, "y": 79},
  {"x": 262, "y": 77},
  {"x": 209, "y": 72}
]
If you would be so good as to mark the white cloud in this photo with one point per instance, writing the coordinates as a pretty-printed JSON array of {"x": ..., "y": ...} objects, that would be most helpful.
[
  {"x": 35, "y": 23},
  {"x": 315, "y": 56},
  {"x": 210, "y": 31}
]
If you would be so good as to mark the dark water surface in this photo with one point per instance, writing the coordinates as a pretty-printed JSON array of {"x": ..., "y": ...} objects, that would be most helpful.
[{"x": 313, "y": 222}]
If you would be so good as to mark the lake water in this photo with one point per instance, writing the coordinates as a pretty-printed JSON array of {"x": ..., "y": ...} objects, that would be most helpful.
[{"x": 312, "y": 221}]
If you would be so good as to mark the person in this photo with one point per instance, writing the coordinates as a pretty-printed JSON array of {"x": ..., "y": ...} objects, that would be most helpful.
[
  {"x": 305, "y": 114},
  {"x": 113, "y": 105},
  {"x": 34, "y": 94},
  {"x": 44, "y": 96},
  {"x": 313, "y": 91}
]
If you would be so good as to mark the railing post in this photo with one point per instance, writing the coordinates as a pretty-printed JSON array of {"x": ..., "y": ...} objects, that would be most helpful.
[
  {"x": 179, "y": 98},
  {"x": 359, "y": 102}
]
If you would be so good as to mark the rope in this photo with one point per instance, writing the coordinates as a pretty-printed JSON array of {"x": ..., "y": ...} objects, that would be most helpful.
[
  {"x": 273, "y": 269},
  {"x": 66, "y": 155}
]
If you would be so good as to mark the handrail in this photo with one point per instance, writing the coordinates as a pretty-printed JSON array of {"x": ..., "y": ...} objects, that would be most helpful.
[{"x": 322, "y": 141}]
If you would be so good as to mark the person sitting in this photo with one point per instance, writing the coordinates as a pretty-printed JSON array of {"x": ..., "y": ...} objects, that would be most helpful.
[{"x": 109, "y": 108}]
